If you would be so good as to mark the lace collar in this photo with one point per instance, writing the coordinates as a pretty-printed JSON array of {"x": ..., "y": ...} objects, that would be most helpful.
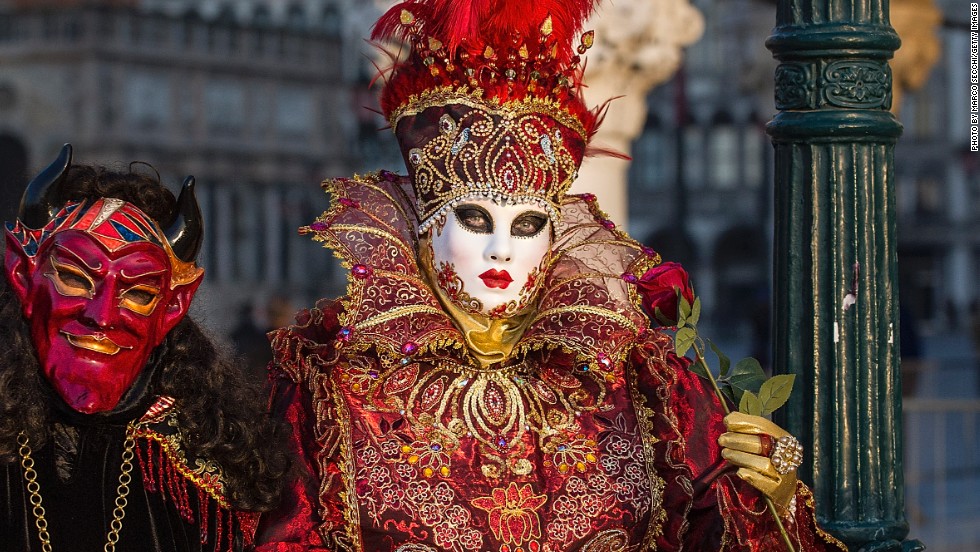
[{"x": 588, "y": 306}]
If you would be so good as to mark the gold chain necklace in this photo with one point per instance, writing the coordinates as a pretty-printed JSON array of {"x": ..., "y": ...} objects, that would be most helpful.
[{"x": 34, "y": 488}]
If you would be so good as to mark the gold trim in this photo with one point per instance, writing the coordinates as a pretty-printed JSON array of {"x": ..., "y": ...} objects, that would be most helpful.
[{"x": 473, "y": 98}]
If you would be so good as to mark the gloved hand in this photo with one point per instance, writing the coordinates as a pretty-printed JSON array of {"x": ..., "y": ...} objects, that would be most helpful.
[{"x": 766, "y": 454}]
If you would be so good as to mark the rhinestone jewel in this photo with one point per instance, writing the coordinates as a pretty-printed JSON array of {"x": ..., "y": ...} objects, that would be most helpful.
[
  {"x": 629, "y": 278},
  {"x": 548, "y": 151},
  {"x": 345, "y": 333},
  {"x": 360, "y": 271},
  {"x": 319, "y": 226},
  {"x": 347, "y": 202},
  {"x": 607, "y": 224},
  {"x": 446, "y": 124},
  {"x": 460, "y": 140},
  {"x": 509, "y": 179},
  {"x": 415, "y": 156},
  {"x": 409, "y": 347}
]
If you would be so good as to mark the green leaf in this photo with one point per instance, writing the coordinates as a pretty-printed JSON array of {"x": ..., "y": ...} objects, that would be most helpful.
[
  {"x": 775, "y": 392},
  {"x": 699, "y": 369},
  {"x": 683, "y": 340},
  {"x": 750, "y": 404},
  {"x": 695, "y": 311},
  {"x": 746, "y": 376},
  {"x": 723, "y": 361},
  {"x": 684, "y": 308},
  {"x": 727, "y": 391}
]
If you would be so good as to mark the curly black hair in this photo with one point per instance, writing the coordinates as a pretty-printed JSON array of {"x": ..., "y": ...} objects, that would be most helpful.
[{"x": 222, "y": 414}]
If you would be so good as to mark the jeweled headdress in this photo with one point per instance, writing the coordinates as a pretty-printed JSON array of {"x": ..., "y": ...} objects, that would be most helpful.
[{"x": 488, "y": 102}]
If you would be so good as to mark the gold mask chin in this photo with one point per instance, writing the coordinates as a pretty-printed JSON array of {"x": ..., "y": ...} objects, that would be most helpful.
[
  {"x": 97, "y": 343},
  {"x": 490, "y": 340}
]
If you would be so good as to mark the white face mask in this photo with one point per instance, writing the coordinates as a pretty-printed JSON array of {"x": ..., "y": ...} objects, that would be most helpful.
[{"x": 488, "y": 256}]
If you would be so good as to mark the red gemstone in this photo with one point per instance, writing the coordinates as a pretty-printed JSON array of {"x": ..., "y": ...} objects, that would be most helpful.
[
  {"x": 319, "y": 226},
  {"x": 629, "y": 277},
  {"x": 350, "y": 203},
  {"x": 360, "y": 271},
  {"x": 409, "y": 347},
  {"x": 588, "y": 197},
  {"x": 607, "y": 224}
]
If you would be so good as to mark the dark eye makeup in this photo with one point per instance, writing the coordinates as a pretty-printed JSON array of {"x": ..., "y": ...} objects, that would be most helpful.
[
  {"x": 528, "y": 224},
  {"x": 474, "y": 218}
]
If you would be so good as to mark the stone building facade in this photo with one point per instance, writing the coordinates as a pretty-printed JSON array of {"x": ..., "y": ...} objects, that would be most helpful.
[
  {"x": 261, "y": 99},
  {"x": 258, "y": 110}
]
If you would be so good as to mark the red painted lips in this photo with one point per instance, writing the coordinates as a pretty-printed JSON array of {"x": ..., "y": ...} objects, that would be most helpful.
[{"x": 496, "y": 279}]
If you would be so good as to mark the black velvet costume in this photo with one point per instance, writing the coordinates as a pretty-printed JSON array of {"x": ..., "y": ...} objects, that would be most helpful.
[{"x": 176, "y": 501}]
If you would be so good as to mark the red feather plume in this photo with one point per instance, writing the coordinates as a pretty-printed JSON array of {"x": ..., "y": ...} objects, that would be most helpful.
[{"x": 476, "y": 24}]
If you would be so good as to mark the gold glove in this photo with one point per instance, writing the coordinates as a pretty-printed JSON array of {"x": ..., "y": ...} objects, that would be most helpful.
[{"x": 766, "y": 454}]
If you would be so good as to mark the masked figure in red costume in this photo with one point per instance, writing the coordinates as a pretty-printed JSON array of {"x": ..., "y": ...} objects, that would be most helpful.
[
  {"x": 121, "y": 427},
  {"x": 490, "y": 381}
]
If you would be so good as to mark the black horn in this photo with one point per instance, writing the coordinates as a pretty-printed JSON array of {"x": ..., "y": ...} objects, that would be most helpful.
[
  {"x": 39, "y": 202},
  {"x": 186, "y": 232}
]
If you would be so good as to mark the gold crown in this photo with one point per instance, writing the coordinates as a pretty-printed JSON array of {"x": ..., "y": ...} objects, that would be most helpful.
[{"x": 459, "y": 147}]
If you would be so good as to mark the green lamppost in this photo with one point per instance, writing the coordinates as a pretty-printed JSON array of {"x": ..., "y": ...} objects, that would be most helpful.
[{"x": 836, "y": 296}]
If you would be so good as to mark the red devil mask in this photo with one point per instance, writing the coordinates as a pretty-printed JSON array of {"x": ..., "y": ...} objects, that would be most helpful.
[{"x": 100, "y": 285}]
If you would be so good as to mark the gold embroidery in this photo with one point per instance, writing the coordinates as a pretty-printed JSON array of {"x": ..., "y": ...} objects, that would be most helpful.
[
  {"x": 512, "y": 513},
  {"x": 658, "y": 515},
  {"x": 204, "y": 474},
  {"x": 497, "y": 407},
  {"x": 611, "y": 540},
  {"x": 463, "y": 95}
]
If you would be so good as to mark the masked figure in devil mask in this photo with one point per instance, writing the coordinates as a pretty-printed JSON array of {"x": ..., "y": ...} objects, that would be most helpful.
[{"x": 121, "y": 426}]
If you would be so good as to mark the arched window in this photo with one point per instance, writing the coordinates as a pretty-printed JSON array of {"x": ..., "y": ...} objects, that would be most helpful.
[
  {"x": 226, "y": 14},
  {"x": 755, "y": 152},
  {"x": 296, "y": 16},
  {"x": 652, "y": 167},
  {"x": 262, "y": 17},
  {"x": 741, "y": 268},
  {"x": 723, "y": 155},
  {"x": 331, "y": 20}
]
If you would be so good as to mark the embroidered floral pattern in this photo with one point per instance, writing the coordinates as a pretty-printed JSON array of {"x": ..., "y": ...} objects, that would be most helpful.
[
  {"x": 577, "y": 455},
  {"x": 513, "y": 513},
  {"x": 452, "y": 284},
  {"x": 384, "y": 491},
  {"x": 620, "y": 478},
  {"x": 431, "y": 457}
]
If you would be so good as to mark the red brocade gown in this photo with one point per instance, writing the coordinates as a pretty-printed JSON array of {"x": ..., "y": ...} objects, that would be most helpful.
[{"x": 590, "y": 436}]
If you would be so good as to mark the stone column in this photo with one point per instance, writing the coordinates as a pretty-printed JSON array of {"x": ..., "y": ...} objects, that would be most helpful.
[
  {"x": 638, "y": 45},
  {"x": 835, "y": 273},
  {"x": 917, "y": 24}
]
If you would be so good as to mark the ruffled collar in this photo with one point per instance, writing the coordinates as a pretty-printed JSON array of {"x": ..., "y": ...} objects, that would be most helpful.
[{"x": 588, "y": 304}]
